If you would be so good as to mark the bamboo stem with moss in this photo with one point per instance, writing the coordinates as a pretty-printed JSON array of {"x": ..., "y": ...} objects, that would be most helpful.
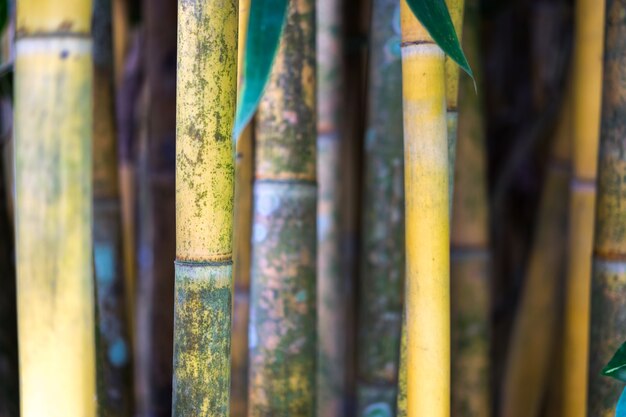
[
  {"x": 115, "y": 389},
  {"x": 470, "y": 257},
  {"x": 206, "y": 97},
  {"x": 586, "y": 107},
  {"x": 535, "y": 328},
  {"x": 331, "y": 284},
  {"x": 382, "y": 261},
  {"x": 283, "y": 292},
  {"x": 427, "y": 221},
  {"x": 53, "y": 143},
  {"x": 608, "y": 281},
  {"x": 382, "y": 265}
]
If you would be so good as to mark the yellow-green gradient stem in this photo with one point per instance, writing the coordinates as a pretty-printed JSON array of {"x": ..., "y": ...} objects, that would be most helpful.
[
  {"x": 427, "y": 221},
  {"x": 586, "y": 107},
  {"x": 53, "y": 144},
  {"x": 206, "y": 94}
]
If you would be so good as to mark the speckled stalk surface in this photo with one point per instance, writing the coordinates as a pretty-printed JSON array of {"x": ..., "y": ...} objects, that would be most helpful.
[
  {"x": 206, "y": 94},
  {"x": 382, "y": 261},
  {"x": 608, "y": 287},
  {"x": 282, "y": 335},
  {"x": 115, "y": 389}
]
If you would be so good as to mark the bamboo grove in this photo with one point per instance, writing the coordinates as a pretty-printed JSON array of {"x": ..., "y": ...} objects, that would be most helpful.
[{"x": 316, "y": 208}]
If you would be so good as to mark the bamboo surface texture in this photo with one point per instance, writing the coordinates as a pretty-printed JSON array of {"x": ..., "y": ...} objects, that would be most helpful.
[
  {"x": 470, "y": 257},
  {"x": 535, "y": 330},
  {"x": 331, "y": 283},
  {"x": 115, "y": 389},
  {"x": 206, "y": 96},
  {"x": 242, "y": 228},
  {"x": 608, "y": 282},
  {"x": 53, "y": 144},
  {"x": 586, "y": 107},
  {"x": 382, "y": 261},
  {"x": 283, "y": 291},
  {"x": 427, "y": 221}
]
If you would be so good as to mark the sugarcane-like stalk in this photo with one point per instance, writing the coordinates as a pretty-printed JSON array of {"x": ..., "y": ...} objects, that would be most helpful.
[
  {"x": 470, "y": 258},
  {"x": 427, "y": 221},
  {"x": 53, "y": 132},
  {"x": 535, "y": 331},
  {"x": 608, "y": 281},
  {"x": 244, "y": 166},
  {"x": 382, "y": 261},
  {"x": 282, "y": 312},
  {"x": 587, "y": 92},
  {"x": 331, "y": 285},
  {"x": 115, "y": 389},
  {"x": 206, "y": 96}
]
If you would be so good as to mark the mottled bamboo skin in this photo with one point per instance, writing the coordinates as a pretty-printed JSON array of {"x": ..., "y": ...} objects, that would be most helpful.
[
  {"x": 282, "y": 334},
  {"x": 331, "y": 283},
  {"x": 242, "y": 233},
  {"x": 586, "y": 106},
  {"x": 115, "y": 389},
  {"x": 156, "y": 241},
  {"x": 53, "y": 142},
  {"x": 427, "y": 221},
  {"x": 206, "y": 95},
  {"x": 535, "y": 332},
  {"x": 608, "y": 282},
  {"x": 470, "y": 260},
  {"x": 382, "y": 251}
]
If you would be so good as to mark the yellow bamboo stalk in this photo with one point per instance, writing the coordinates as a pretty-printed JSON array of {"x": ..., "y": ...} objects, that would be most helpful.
[
  {"x": 206, "y": 94},
  {"x": 535, "y": 331},
  {"x": 53, "y": 131},
  {"x": 427, "y": 221},
  {"x": 586, "y": 106}
]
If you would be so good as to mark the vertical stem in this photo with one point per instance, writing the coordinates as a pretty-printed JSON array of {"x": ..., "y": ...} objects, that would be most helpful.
[
  {"x": 427, "y": 221},
  {"x": 331, "y": 285},
  {"x": 608, "y": 282},
  {"x": 283, "y": 297},
  {"x": 53, "y": 131},
  {"x": 587, "y": 92},
  {"x": 382, "y": 261},
  {"x": 115, "y": 394},
  {"x": 206, "y": 95}
]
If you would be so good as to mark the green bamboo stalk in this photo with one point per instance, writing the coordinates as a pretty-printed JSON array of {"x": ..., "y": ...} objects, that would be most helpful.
[
  {"x": 283, "y": 292},
  {"x": 331, "y": 297},
  {"x": 206, "y": 96},
  {"x": 382, "y": 260},
  {"x": 115, "y": 393},
  {"x": 156, "y": 208},
  {"x": 53, "y": 185},
  {"x": 608, "y": 282}
]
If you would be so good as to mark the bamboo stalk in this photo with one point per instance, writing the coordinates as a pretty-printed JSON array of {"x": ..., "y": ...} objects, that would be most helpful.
[
  {"x": 244, "y": 174},
  {"x": 156, "y": 241},
  {"x": 331, "y": 284},
  {"x": 382, "y": 261},
  {"x": 283, "y": 318},
  {"x": 587, "y": 92},
  {"x": 608, "y": 282},
  {"x": 427, "y": 221},
  {"x": 115, "y": 393},
  {"x": 470, "y": 257},
  {"x": 53, "y": 131},
  {"x": 206, "y": 95},
  {"x": 535, "y": 328}
]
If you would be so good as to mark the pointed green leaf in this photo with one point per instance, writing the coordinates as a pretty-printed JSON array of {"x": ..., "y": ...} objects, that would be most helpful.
[
  {"x": 616, "y": 368},
  {"x": 620, "y": 411},
  {"x": 267, "y": 18},
  {"x": 435, "y": 17}
]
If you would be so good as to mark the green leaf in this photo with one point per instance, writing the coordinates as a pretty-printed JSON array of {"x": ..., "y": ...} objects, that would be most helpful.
[
  {"x": 616, "y": 368},
  {"x": 435, "y": 17},
  {"x": 267, "y": 18},
  {"x": 620, "y": 411},
  {"x": 4, "y": 14}
]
